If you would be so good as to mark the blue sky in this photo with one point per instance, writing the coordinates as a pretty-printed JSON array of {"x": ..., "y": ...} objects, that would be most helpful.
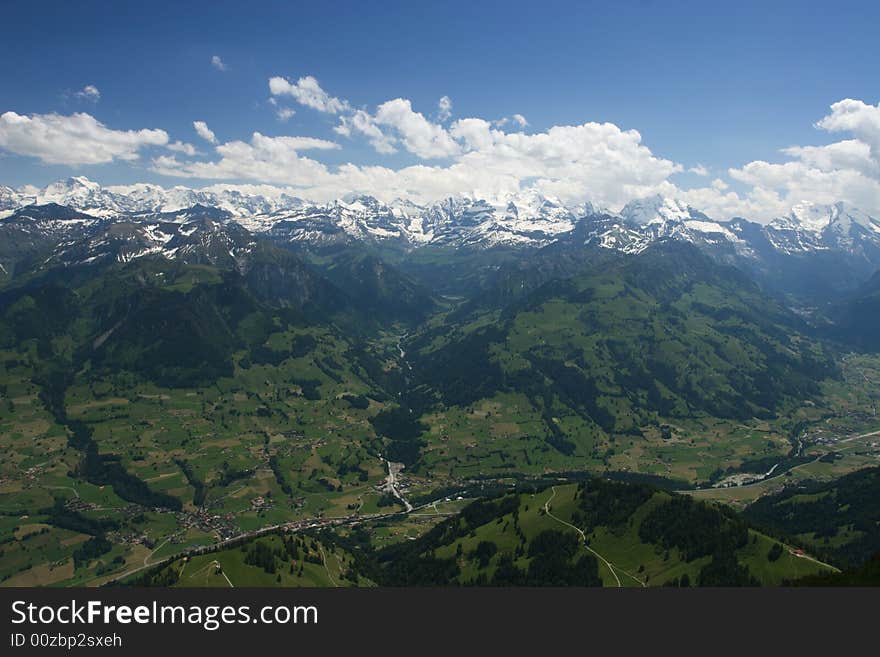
[{"x": 716, "y": 84}]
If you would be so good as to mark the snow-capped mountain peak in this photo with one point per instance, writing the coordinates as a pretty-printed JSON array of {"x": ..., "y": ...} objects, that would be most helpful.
[
  {"x": 75, "y": 189},
  {"x": 817, "y": 218},
  {"x": 82, "y": 194},
  {"x": 656, "y": 209},
  {"x": 810, "y": 216}
]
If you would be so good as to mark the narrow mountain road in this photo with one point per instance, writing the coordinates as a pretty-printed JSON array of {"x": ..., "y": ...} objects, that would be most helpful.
[
  {"x": 801, "y": 555},
  {"x": 607, "y": 563},
  {"x": 864, "y": 435},
  {"x": 215, "y": 564},
  {"x": 65, "y": 488},
  {"x": 326, "y": 567},
  {"x": 157, "y": 548},
  {"x": 223, "y": 572}
]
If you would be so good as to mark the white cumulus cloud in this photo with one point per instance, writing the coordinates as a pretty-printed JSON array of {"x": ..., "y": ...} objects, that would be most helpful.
[
  {"x": 306, "y": 91},
  {"x": 444, "y": 109},
  {"x": 846, "y": 170},
  {"x": 89, "y": 92},
  {"x": 265, "y": 159},
  {"x": 204, "y": 131},
  {"x": 858, "y": 118},
  {"x": 593, "y": 161},
  {"x": 76, "y": 139},
  {"x": 284, "y": 114},
  {"x": 361, "y": 122},
  {"x": 217, "y": 63},
  {"x": 418, "y": 135},
  {"x": 181, "y": 147},
  {"x": 517, "y": 119},
  {"x": 598, "y": 162}
]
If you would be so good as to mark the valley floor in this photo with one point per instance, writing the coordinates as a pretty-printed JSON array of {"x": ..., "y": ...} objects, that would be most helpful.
[{"x": 317, "y": 448}]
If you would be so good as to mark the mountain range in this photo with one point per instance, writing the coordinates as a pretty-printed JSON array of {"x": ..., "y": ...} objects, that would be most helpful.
[{"x": 812, "y": 253}]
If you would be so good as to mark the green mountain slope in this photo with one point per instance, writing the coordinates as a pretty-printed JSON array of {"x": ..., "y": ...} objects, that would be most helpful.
[
  {"x": 592, "y": 534},
  {"x": 297, "y": 560},
  {"x": 376, "y": 287},
  {"x": 669, "y": 332},
  {"x": 840, "y": 519},
  {"x": 632, "y": 345},
  {"x": 867, "y": 574}
]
